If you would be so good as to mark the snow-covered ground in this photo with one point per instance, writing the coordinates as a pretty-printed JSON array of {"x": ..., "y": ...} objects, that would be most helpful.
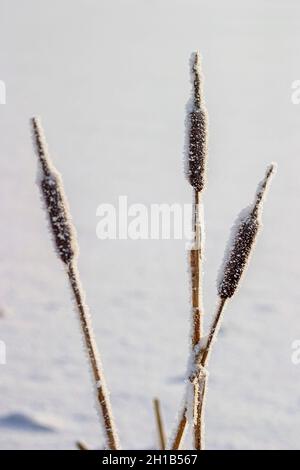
[{"x": 110, "y": 82}]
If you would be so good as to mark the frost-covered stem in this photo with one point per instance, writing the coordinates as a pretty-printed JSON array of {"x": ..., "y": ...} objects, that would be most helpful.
[
  {"x": 197, "y": 139},
  {"x": 199, "y": 401},
  {"x": 159, "y": 423},
  {"x": 65, "y": 243},
  {"x": 196, "y": 421},
  {"x": 197, "y": 154},
  {"x": 240, "y": 250},
  {"x": 214, "y": 329},
  {"x": 200, "y": 381},
  {"x": 196, "y": 282},
  {"x": 196, "y": 274},
  {"x": 197, "y": 316},
  {"x": 85, "y": 322}
]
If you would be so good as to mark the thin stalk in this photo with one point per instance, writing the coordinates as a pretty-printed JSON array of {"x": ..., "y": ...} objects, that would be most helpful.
[
  {"x": 181, "y": 429},
  {"x": 159, "y": 423},
  {"x": 85, "y": 323},
  {"x": 196, "y": 378},
  {"x": 214, "y": 329},
  {"x": 200, "y": 394},
  {"x": 202, "y": 380},
  {"x": 81, "y": 445},
  {"x": 196, "y": 275},
  {"x": 196, "y": 153},
  {"x": 64, "y": 238},
  {"x": 241, "y": 245},
  {"x": 197, "y": 316}
]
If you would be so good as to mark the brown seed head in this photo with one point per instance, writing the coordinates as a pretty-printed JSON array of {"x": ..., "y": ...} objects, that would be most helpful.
[
  {"x": 242, "y": 241},
  {"x": 56, "y": 206},
  {"x": 197, "y": 134}
]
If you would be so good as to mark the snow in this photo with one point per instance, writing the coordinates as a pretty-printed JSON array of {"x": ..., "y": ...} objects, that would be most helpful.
[{"x": 110, "y": 81}]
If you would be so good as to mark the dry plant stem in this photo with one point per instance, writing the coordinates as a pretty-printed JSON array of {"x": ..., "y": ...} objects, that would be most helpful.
[
  {"x": 233, "y": 270},
  {"x": 199, "y": 405},
  {"x": 81, "y": 445},
  {"x": 196, "y": 282},
  {"x": 213, "y": 332},
  {"x": 195, "y": 266},
  {"x": 103, "y": 399},
  {"x": 199, "y": 396},
  {"x": 178, "y": 439},
  {"x": 196, "y": 274},
  {"x": 197, "y": 154},
  {"x": 202, "y": 383},
  {"x": 159, "y": 423},
  {"x": 64, "y": 238},
  {"x": 197, "y": 148}
]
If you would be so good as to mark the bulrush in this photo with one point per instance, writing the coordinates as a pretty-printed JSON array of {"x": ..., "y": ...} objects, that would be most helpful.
[
  {"x": 235, "y": 262},
  {"x": 242, "y": 241},
  {"x": 195, "y": 161},
  {"x": 236, "y": 259},
  {"x": 50, "y": 183},
  {"x": 197, "y": 129},
  {"x": 237, "y": 256},
  {"x": 64, "y": 237}
]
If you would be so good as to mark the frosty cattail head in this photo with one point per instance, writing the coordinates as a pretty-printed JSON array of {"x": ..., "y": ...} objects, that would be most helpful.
[
  {"x": 51, "y": 187},
  {"x": 242, "y": 241},
  {"x": 262, "y": 189},
  {"x": 196, "y": 79},
  {"x": 197, "y": 135}
]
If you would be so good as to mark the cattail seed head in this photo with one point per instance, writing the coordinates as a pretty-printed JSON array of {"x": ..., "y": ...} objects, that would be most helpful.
[
  {"x": 242, "y": 241},
  {"x": 197, "y": 134},
  {"x": 50, "y": 183}
]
